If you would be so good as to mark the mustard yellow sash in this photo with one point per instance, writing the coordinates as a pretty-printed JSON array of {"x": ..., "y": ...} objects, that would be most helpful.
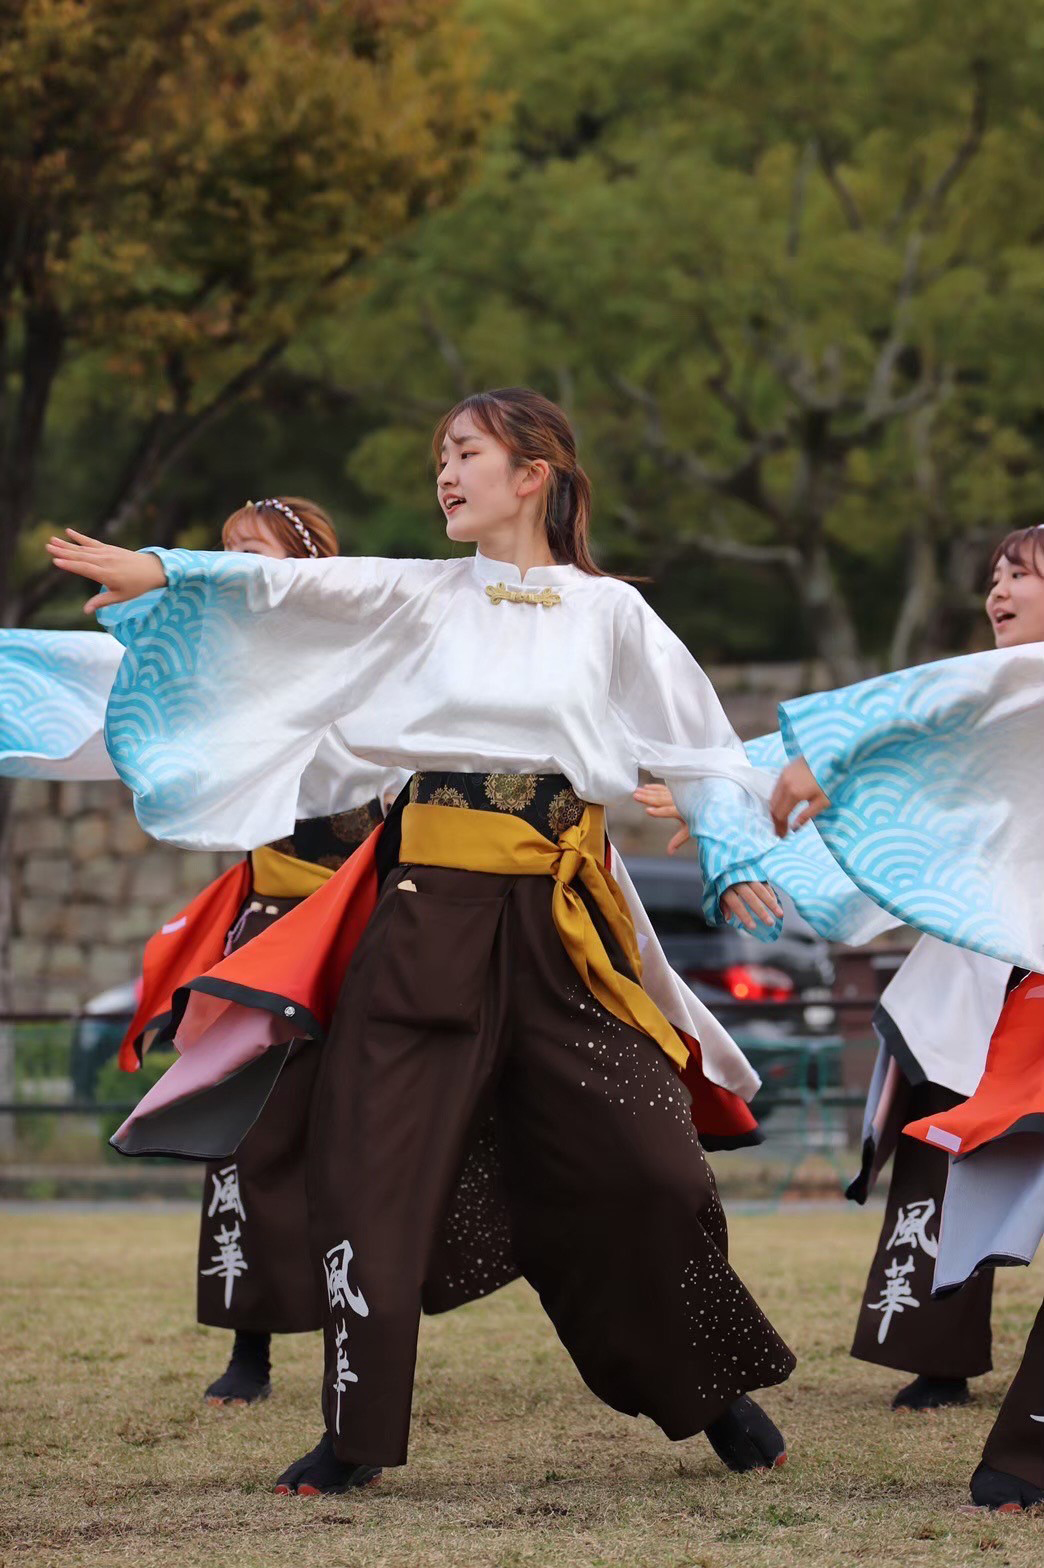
[
  {"x": 275, "y": 875},
  {"x": 508, "y": 846}
]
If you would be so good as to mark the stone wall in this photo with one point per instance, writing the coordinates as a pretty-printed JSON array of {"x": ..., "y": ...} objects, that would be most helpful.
[{"x": 90, "y": 887}]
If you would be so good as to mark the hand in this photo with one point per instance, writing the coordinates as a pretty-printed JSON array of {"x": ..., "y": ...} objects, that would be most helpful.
[
  {"x": 659, "y": 802},
  {"x": 751, "y": 902},
  {"x": 125, "y": 573},
  {"x": 795, "y": 784}
]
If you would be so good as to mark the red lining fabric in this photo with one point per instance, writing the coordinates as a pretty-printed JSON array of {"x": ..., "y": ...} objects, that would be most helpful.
[
  {"x": 1011, "y": 1088},
  {"x": 303, "y": 957},
  {"x": 187, "y": 946}
]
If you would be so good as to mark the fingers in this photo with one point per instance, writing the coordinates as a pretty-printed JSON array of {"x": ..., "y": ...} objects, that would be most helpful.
[
  {"x": 751, "y": 896},
  {"x": 81, "y": 568},
  {"x": 653, "y": 795},
  {"x": 680, "y": 838},
  {"x": 100, "y": 601},
  {"x": 732, "y": 904},
  {"x": 751, "y": 902},
  {"x": 780, "y": 806},
  {"x": 767, "y": 893}
]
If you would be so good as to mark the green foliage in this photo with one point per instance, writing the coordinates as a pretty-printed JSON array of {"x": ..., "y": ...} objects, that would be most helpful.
[
  {"x": 780, "y": 263},
  {"x": 183, "y": 187}
]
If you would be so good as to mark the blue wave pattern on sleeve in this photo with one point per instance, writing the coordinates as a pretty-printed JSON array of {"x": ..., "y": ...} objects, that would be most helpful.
[
  {"x": 119, "y": 619},
  {"x": 53, "y": 687},
  {"x": 910, "y": 763},
  {"x": 736, "y": 845},
  {"x": 177, "y": 653}
]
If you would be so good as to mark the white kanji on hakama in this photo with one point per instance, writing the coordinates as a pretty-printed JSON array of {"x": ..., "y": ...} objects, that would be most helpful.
[
  {"x": 226, "y": 1197},
  {"x": 911, "y": 1227},
  {"x": 228, "y": 1262},
  {"x": 341, "y": 1294},
  {"x": 896, "y": 1295}
]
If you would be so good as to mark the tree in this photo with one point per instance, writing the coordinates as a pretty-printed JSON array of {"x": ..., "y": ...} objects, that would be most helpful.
[
  {"x": 780, "y": 262},
  {"x": 185, "y": 185}
]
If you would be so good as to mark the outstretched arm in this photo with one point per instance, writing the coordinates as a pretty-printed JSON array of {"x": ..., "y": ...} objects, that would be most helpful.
[{"x": 126, "y": 574}]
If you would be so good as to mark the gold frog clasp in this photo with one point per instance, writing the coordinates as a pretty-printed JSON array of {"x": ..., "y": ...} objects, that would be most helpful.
[{"x": 500, "y": 593}]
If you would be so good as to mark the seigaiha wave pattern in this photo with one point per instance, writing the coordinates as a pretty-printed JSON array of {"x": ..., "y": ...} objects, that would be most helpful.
[
  {"x": 934, "y": 777},
  {"x": 180, "y": 651},
  {"x": 53, "y": 691},
  {"x": 738, "y": 845}
]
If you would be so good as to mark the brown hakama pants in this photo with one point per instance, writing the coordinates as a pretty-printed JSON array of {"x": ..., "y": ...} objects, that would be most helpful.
[
  {"x": 900, "y": 1324},
  {"x": 1016, "y": 1443},
  {"x": 463, "y": 1022}
]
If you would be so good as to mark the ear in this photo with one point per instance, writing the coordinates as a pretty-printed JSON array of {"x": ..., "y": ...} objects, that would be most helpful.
[{"x": 533, "y": 477}]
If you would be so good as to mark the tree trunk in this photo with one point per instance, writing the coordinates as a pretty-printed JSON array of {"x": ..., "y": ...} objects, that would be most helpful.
[
  {"x": 919, "y": 606},
  {"x": 830, "y": 621}
]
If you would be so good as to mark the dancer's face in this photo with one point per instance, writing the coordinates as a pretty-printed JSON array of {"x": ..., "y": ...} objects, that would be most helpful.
[
  {"x": 479, "y": 489},
  {"x": 1015, "y": 604},
  {"x": 254, "y": 538}
]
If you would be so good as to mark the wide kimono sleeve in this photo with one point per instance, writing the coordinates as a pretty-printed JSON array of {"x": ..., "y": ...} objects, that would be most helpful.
[
  {"x": 53, "y": 690},
  {"x": 230, "y": 681},
  {"x": 934, "y": 778},
  {"x": 679, "y": 732},
  {"x": 732, "y": 850}
]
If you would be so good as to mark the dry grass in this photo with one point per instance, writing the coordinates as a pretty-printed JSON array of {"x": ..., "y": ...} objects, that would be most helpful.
[{"x": 109, "y": 1456}]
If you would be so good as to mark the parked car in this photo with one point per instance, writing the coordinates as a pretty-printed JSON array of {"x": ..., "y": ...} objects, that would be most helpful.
[
  {"x": 743, "y": 980},
  {"x": 97, "y": 1035}
]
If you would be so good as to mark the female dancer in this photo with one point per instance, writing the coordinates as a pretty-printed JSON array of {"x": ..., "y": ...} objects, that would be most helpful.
[
  {"x": 254, "y": 1275},
  {"x": 497, "y": 984},
  {"x": 991, "y": 728},
  {"x": 934, "y": 1023}
]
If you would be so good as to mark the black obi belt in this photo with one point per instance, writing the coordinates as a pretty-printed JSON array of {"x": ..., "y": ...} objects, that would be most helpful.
[{"x": 547, "y": 801}]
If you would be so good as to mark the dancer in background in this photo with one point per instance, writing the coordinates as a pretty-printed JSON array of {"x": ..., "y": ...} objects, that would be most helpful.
[
  {"x": 947, "y": 759},
  {"x": 498, "y": 981},
  {"x": 934, "y": 1023},
  {"x": 253, "y": 1272}
]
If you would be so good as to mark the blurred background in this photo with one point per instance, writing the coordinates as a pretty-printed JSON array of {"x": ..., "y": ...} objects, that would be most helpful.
[{"x": 781, "y": 263}]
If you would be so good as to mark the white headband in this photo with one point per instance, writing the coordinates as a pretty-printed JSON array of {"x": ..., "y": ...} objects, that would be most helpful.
[{"x": 289, "y": 513}]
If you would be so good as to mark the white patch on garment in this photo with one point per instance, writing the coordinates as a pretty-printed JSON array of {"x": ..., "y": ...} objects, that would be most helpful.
[{"x": 945, "y": 1140}]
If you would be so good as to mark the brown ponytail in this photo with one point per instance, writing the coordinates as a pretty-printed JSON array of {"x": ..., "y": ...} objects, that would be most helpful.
[{"x": 531, "y": 428}]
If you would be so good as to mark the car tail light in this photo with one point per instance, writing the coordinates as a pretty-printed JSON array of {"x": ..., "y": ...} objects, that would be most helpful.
[{"x": 750, "y": 982}]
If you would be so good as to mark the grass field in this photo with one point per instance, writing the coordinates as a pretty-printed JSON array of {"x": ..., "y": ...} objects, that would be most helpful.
[{"x": 110, "y": 1457}]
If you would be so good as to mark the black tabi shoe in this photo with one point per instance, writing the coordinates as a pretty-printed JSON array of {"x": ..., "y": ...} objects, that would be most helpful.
[
  {"x": 246, "y": 1378},
  {"x": 322, "y": 1474},
  {"x": 932, "y": 1393},
  {"x": 745, "y": 1439},
  {"x": 1002, "y": 1493}
]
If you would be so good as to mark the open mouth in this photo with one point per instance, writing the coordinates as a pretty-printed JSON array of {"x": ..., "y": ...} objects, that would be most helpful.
[
  {"x": 452, "y": 504},
  {"x": 1003, "y": 617}
]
